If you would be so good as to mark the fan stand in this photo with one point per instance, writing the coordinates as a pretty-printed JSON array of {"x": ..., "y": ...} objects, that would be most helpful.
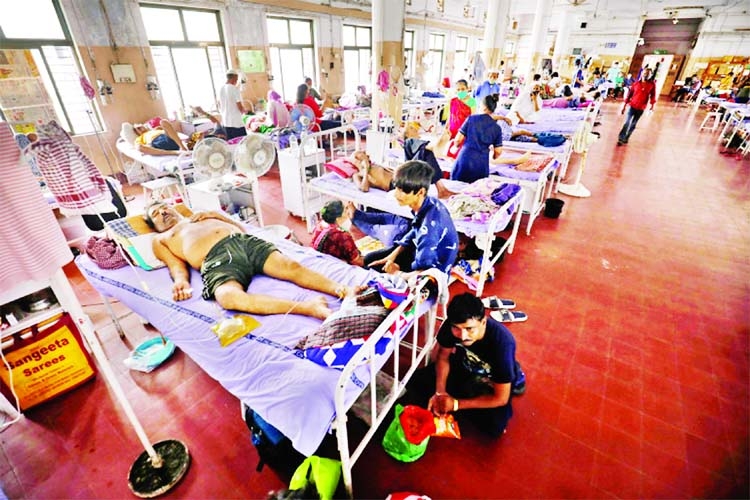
[{"x": 577, "y": 189}]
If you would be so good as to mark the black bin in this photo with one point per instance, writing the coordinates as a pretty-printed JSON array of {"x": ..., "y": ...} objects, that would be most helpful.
[{"x": 553, "y": 207}]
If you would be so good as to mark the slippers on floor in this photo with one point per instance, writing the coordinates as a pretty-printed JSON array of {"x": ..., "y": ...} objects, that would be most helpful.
[
  {"x": 494, "y": 303},
  {"x": 506, "y": 316}
]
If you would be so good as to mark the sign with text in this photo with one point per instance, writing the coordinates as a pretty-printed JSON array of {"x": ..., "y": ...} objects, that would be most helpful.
[{"x": 51, "y": 362}]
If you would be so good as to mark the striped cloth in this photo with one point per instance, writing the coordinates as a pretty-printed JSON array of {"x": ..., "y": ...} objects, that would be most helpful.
[
  {"x": 32, "y": 246},
  {"x": 71, "y": 176}
]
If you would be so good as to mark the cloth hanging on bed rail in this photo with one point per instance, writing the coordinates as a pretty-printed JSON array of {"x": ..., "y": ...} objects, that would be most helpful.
[
  {"x": 32, "y": 245},
  {"x": 71, "y": 176}
]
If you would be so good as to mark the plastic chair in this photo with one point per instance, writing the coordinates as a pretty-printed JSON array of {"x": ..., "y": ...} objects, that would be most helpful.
[{"x": 716, "y": 115}]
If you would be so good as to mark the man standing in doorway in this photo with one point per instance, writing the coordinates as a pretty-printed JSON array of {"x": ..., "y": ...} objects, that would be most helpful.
[
  {"x": 231, "y": 108},
  {"x": 641, "y": 93}
]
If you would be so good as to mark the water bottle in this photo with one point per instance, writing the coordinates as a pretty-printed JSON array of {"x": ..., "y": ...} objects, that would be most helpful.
[{"x": 293, "y": 145}]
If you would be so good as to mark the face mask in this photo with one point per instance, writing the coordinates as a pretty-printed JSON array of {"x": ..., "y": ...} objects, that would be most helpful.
[
  {"x": 462, "y": 94},
  {"x": 493, "y": 81},
  {"x": 346, "y": 225}
]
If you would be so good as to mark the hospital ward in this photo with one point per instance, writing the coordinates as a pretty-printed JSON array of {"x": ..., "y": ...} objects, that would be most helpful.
[{"x": 374, "y": 249}]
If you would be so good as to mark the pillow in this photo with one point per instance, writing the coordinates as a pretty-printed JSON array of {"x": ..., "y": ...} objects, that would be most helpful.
[
  {"x": 337, "y": 355},
  {"x": 345, "y": 325},
  {"x": 127, "y": 132},
  {"x": 343, "y": 167}
]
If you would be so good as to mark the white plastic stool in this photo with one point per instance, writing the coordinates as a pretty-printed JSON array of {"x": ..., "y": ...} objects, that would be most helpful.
[
  {"x": 163, "y": 187},
  {"x": 716, "y": 115}
]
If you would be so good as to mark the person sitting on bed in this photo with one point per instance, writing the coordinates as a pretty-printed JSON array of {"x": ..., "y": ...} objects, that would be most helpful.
[
  {"x": 431, "y": 240},
  {"x": 227, "y": 259},
  {"x": 332, "y": 236},
  {"x": 159, "y": 141},
  {"x": 475, "y": 368}
]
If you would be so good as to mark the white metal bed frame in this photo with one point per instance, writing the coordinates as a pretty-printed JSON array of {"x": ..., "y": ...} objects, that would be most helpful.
[
  {"x": 331, "y": 152},
  {"x": 483, "y": 241},
  {"x": 418, "y": 353}
]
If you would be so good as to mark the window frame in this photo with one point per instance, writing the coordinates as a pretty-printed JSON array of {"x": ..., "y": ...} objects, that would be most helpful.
[
  {"x": 409, "y": 53},
  {"x": 187, "y": 44},
  {"x": 38, "y": 44},
  {"x": 292, "y": 46},
  {"x": 440, "y": 52},
  {"x": 358, "y": 48}
]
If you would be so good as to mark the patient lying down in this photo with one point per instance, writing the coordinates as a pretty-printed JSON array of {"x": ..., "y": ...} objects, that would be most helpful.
[{"x": 227, "y": 259}]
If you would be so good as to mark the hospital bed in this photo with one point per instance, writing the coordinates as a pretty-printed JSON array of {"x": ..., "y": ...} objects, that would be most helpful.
[
  {"x": 264, "y": 370},
  {"x": 334, "y": 186},
  {"x": 154, "y": 166}
]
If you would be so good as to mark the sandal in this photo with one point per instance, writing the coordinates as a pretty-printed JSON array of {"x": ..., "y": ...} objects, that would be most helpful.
[
  {"x": 494, "y": 303},
  {"x": 506, "y": 316}
]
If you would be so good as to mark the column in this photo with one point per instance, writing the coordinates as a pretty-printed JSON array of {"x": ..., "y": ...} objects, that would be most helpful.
[
  {"x": 388, "y": 59},
  {"x": 562, "y": 39},
  {"x": 538, "y": 37},
  {"x": 494, "y": 33}
]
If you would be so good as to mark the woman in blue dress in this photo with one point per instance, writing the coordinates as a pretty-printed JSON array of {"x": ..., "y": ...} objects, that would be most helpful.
[{"x": 478, "y": 134}]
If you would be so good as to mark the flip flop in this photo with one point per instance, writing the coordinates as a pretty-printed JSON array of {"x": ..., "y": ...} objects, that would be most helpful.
[
  {"x": 494, "y": 303},
  {"x": 506, "y": 316}
]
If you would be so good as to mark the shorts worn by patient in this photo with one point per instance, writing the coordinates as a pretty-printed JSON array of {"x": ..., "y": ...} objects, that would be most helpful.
[{"x": 238, "y": 257}]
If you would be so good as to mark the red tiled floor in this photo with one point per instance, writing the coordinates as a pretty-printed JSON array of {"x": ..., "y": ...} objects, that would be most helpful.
[{"x": 636, "y": 353}]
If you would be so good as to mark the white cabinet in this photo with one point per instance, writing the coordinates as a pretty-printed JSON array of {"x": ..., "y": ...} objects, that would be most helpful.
[
  {"x": 296, "y": 170},
  {"x": 233, "y": 194}
]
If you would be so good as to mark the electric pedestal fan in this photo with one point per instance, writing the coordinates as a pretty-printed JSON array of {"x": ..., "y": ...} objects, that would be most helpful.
[
  {"x": 212, "y": 158},
  {"x": 254, "y": 155},
  {"x": 581, "y": 142}
]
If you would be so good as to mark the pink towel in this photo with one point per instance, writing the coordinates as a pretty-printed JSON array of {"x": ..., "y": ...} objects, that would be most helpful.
[
  {"x": 32, "y": 246},
  {"x": 71, "y": 176}
]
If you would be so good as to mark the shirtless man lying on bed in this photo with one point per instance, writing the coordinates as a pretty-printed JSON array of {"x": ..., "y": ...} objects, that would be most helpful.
[{"x": 227, "y": 259}]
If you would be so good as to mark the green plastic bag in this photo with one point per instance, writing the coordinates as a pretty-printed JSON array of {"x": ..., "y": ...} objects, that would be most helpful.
[
  {"x": 396, "y": 444},
  {"x": 319, "y": 474}
]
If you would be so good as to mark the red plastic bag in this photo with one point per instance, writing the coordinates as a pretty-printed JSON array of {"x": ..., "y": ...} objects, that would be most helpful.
[{"x": 418, "y": 423}]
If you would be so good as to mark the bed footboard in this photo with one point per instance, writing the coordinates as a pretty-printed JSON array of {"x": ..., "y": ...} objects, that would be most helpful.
[{"x": 418, "y": 346}]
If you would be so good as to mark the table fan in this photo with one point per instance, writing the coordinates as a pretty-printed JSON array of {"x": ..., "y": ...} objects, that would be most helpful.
[
  {"x": 212, "y": 158},
  {"x": 254, "y": 155}
]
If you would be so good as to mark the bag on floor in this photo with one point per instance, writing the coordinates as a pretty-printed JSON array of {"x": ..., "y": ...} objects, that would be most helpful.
[
  {"x": 396, "y": 444},
  {"x": 273, "y": 447},
  {"x": 316, "y": 477}
]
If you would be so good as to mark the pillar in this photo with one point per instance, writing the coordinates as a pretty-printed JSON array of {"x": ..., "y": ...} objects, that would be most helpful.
[
  {"x": 388, "y": 56},
  {"x": 538, "y": 37},
  {"x": 494, "y": 33},
  {"x": 562, "y": 40}
]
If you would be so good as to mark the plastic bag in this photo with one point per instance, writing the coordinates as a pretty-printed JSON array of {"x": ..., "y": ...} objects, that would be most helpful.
[
  {"x": 317, "y": 475},
  {"x": 230, "y": 329},
  {"x": 446, "y": 426},
  {"x": 396, "y": 444},
  {"x": 417, "y": 423}
]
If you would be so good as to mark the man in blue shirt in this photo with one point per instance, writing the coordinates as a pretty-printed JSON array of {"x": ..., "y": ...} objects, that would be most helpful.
[
  {"x": 489, "y": 86},
  {"x": 475, "y": 370},
  {"x": 431, "y": 240}
]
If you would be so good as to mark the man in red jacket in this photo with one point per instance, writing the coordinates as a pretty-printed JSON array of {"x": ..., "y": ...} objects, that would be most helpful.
[{"x": 641, "y": 92}]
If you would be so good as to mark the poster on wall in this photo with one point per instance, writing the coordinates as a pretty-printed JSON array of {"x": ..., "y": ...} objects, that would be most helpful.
[
  {"x": 24, "y": 100},
  {"x": 252, "y": 61}
]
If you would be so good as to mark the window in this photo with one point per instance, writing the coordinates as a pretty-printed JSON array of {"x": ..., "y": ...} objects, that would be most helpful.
[
  {"x": 461, "y": 59},
  {"x": 357, "y": 57},
  {"x": 409, "y": 53},
  {"x": 434, "y": 63},
  {"x": 189, "y": 55},
  {"x": 291, "y": 41},
  {"x": 44, "y": 80}
]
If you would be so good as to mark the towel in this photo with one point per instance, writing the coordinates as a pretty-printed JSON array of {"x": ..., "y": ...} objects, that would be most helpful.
[{"x": 71, "y": 176}]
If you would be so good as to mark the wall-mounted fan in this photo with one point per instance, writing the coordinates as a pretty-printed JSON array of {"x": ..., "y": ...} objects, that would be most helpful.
[
  {"x": 254, "y": 155},
  {"x": 212, "y": 158}
]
